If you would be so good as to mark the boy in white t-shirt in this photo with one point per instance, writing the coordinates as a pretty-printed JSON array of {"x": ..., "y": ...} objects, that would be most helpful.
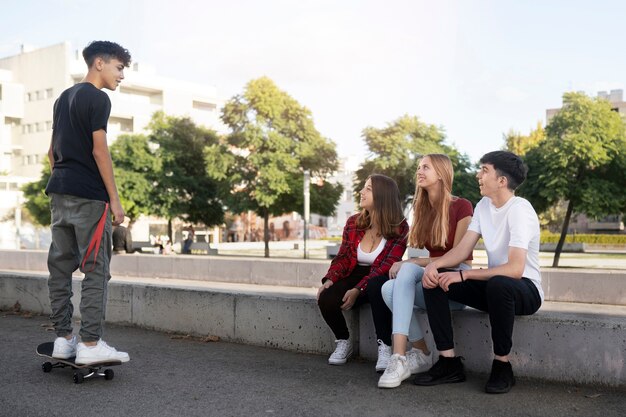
[{"x": 510, "y": 286}]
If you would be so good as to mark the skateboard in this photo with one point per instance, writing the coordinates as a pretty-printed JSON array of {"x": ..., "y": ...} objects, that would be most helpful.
[{"x": 93, "y": 369}]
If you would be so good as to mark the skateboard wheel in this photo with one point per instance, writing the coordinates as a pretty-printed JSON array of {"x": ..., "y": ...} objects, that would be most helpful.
[
  {"x": 109, "y": 374},
  {"x": 46, "y": 367},
  {"x": 78, "y": 378}
]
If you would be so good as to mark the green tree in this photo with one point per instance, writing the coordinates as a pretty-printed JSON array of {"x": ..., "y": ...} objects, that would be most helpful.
[
  {"x": 134, "y": 167},
  {"x": 465, "y": 184},
  {"x": 272, "y": 141},
  {"x": 36, "y": 201},
  {"x": 323, "y": 199},
  {"x": 520, "y": 144},
  {"x": 582, "y": 161},
  {"x": 183, "y": 188},
  {"x": 395, "y": 151},
  {"x": 136, "y": 170}
]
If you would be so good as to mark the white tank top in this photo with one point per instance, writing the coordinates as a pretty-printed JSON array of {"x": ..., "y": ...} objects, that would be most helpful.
[{"x": 368, "y": 258}]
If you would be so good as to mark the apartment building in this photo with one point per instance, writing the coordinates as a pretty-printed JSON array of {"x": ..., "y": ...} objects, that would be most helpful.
[
  {"x": 31, "y": 81},
  {"x": 615, "y": 97}
]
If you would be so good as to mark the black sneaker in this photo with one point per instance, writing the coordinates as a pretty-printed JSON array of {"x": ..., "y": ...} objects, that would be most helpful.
[
  {"x": 501, "y": 379},
  {"x": 445, "y": 371}
]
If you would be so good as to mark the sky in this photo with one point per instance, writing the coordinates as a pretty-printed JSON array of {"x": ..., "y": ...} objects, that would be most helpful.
[{"x": 477, "y": 69}]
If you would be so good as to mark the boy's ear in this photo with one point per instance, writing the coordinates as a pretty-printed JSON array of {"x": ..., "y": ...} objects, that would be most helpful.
[{"x": 98, "y": 63}]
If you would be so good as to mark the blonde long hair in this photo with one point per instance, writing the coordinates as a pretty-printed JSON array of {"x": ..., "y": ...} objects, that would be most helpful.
[
  {"x": 387, "y": 211},
  {"x": 431, "y": 222}
]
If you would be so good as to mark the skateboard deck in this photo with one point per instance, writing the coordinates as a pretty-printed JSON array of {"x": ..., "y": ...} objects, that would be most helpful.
[{"x": 93, "y": 369}]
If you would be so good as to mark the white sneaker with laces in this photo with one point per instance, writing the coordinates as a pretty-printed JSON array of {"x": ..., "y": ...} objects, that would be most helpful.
[
  {"x": 63, "y": 348},
  {"x": 342, "y": 352},
  {"x": 396, "y": 372},
  {"x": 384, "y": 353},
  {"x": 101, "y": 352},
  {"x": 418, "y": 361}
]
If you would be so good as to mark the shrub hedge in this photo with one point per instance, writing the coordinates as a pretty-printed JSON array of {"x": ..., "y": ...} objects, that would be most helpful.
[{"x": 548, "y": 237}]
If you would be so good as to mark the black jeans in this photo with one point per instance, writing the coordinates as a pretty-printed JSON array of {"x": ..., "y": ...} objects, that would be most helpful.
[
  {"x": 330, "y": 302},
  {"x": 501, "y": 297}
]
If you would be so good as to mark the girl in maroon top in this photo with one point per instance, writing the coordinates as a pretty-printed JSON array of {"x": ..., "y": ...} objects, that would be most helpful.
[
  {"x": 439, "y": 222},
  {"x": 373, "y": 240}
]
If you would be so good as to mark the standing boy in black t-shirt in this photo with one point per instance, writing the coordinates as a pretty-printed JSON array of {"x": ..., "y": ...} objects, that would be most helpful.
[{"x": 82, "y": 190}]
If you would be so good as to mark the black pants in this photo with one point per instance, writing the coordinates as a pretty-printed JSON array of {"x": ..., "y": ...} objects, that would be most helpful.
[
  {"x": 330, "y": 302},
  {"x": 501, "y": 297}
]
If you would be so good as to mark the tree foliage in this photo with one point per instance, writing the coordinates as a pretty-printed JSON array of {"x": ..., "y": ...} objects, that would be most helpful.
[
  {"x": 272, "y": 141},
  {"x": 163, "y": 174},
  {"x": 136, "y": 170},
  {"x": 582, "y": 160},
  {"x": 37, "y": 202},
  {"x": 323, "y": 199},
  {"x": 395, "y": 151},
  {"x": 183, "y": 188},
  {"x": 520, "y": 144}
]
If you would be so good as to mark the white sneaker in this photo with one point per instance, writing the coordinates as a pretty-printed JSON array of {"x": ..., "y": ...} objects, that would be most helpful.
[
  {"x": 418, "y": 361},
  {"x": 101, "y": 352},
  {"x": 342, "y": 352},
  {"x": 384, "y": 353},
  {"x": 63, "y": 348},
  {"x": 396, "y": 372}
]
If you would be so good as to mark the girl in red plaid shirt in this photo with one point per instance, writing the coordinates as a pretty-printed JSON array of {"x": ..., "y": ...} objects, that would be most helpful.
[{"x": 373, "y": 240}]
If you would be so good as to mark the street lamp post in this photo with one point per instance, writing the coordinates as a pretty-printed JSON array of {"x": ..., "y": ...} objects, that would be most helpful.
[
  {"x": 307, "y": 206},
  {"x": 18, "y": 223}
]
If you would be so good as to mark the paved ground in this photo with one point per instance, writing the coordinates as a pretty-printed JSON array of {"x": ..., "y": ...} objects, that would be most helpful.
[{"x": 170, "y": 376}]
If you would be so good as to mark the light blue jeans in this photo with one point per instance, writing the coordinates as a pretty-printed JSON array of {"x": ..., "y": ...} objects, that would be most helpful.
[{"x": 404, "y": 294}]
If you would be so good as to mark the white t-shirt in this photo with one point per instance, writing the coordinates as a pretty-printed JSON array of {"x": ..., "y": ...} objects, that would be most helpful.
[
  {"x": 515, "y": 224},
  {"x": 368, "y": 258}
]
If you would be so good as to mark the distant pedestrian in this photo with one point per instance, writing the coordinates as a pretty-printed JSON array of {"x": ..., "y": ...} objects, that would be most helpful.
[
  {"x": 122, "y": 239},
  {"x": 188, "y": 240}
]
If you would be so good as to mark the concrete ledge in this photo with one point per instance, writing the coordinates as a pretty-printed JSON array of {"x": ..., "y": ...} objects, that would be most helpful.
[
  {"x": 563, "y": 341},
  {"x": 566, "y": 285}
]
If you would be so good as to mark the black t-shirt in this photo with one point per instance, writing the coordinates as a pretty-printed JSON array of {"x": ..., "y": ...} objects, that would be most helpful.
[{"x": 78, "y": 112}]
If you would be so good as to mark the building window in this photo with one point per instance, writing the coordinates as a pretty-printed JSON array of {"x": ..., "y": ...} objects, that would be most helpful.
[
  {"x": 39, "y": 127},
  {"x": 28, "y": 96},
  {"x": 49, "y": 93},
  {"x": 39, "y": 95},
  {"x": 49, "y": 125},
  {"x": 204, "y": 106},
  {"x": 120, "y": 124}
]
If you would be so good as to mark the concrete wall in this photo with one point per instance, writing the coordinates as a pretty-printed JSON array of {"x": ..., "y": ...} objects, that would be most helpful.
[
  {"x": 567, "y": 285},
  {"x": 563, "y": 341}
]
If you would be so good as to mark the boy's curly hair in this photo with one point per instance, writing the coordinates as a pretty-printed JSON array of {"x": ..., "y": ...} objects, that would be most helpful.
[{"x": 106, "y": 50}]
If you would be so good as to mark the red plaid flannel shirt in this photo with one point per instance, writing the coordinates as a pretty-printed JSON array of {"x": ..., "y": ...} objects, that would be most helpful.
[{"x": 346, "y": 260}]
